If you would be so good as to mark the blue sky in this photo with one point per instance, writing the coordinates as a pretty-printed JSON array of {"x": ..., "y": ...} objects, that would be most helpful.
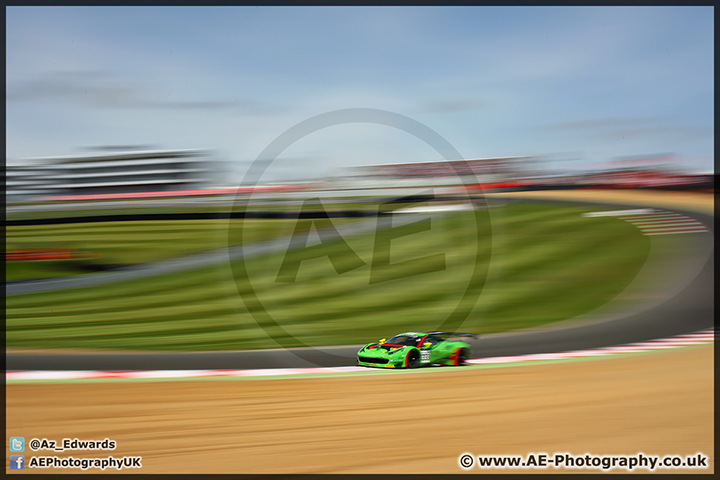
[{"x": 581, "y": 86}]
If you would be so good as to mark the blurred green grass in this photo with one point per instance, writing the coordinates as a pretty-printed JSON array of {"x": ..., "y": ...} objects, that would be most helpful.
[
  {"x": 544, "y": 263},
  {"x": 124, "y": 243}
]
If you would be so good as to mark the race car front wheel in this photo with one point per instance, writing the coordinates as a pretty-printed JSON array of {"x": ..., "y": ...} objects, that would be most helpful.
[{"x": 413, "y": 359}]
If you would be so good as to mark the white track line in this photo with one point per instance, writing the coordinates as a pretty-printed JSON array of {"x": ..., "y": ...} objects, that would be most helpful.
[
  {"x": 673, "y": 233},
  {"x": 655, "y": 222},
  {"x": 668, "y": 216},
  {"x": 664, "y": 222},
  {"x": 669, "y": 229},
  {"x": 612, "y": 213}
]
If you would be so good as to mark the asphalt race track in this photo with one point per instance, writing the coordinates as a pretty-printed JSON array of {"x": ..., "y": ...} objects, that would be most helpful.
[{"x": 684, "y": 304}]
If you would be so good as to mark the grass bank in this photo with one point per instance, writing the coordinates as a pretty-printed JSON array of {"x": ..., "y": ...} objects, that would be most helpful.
[{"x": 542, "y": 264}]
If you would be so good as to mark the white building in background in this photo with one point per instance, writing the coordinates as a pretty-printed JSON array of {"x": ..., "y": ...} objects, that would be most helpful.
[
  {"x": 25, "y": 182},
  {"x": 120, "y": 172}
]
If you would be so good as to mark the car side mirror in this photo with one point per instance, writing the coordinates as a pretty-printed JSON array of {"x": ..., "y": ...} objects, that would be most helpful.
[{"x": 383, "y": 340}]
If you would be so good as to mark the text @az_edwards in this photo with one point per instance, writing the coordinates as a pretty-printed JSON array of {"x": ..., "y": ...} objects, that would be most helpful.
[{"x": 71, "y": 444}]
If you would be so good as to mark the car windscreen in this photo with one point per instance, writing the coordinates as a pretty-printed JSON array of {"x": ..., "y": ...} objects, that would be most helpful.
[{"x": 403, "y": 340}]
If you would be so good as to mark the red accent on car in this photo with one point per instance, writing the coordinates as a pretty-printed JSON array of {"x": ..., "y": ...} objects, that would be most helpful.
[{"x": 455, "y": 357}]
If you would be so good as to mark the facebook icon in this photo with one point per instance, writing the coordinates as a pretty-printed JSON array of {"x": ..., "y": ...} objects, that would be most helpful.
[{"x": 17, "y": 462}]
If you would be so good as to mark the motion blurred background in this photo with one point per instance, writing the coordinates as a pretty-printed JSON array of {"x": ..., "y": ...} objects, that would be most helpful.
[
  {"x": 131, "y": 133},
  {"x": 143, "y": 214}
]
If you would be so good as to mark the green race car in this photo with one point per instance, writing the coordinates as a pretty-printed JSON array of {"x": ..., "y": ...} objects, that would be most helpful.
[{"x": 413, "y": 349}]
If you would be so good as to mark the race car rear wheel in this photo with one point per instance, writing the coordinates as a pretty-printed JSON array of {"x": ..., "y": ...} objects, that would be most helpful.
[
  {"x": 413, "y": 359},
  {"x": 462, "y": 356}
]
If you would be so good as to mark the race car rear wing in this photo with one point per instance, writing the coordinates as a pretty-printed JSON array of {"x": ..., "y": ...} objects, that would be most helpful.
[{"x": 455, "y": 334}]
